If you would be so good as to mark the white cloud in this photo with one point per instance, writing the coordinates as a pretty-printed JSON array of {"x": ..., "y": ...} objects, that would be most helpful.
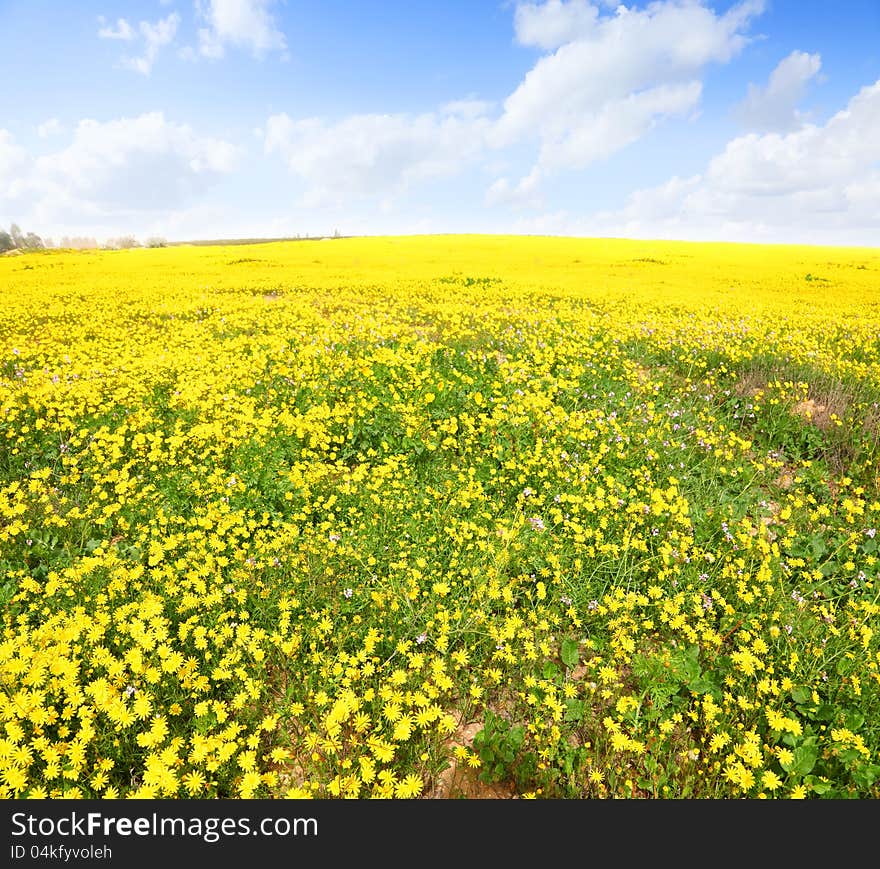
[
  {"x": 469, "y": 108},
  {"x": 773, "y": 107},
  {"x": 241, "y": 23},
  {"x": 49, "y": 128},
  {"x": 617, "y": 124},
  {"x": 611, "y": 78},
  {"x": 155, "y": 37},
  {"x": 551, "y": 24},
  {"x": 121, "y": 30},
  {"x": 819, "y": 184},
  {"x": 812, "y": 158},
  {"x": 374, "y": 154},
  {"x": 524, "y": 193},
  {"x": 13, "y": 164},
  {"x": 111, "y": 171}
]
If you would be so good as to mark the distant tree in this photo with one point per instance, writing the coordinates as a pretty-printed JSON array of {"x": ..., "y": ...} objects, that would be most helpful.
[
  {"x": 78, "y": 242},
  {"x": 121, "y": 243},
  {"x": 16, "y": 239},
  {"x": 157, "y": 241}
]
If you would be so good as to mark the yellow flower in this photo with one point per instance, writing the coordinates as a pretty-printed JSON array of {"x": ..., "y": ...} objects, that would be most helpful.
[
  {"x": 770, "y": 780},
  {"x": 410, "y": 786},
  {"x": 193, "y": 782},
  {"x": 249, "y": 784}
]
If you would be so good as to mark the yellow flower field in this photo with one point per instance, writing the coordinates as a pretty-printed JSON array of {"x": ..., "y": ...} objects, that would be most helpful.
[{"x": 415, "y": 517}]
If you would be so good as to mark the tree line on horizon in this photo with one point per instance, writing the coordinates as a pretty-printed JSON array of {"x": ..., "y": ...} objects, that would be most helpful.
[{"x": 16, "y": 240}]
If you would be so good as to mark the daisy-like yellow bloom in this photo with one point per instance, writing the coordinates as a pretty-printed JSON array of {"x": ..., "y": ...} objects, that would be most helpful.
[
  {"x": 408, "y": 787},
  {"x": 770, "y": 780},
  {"x": 193, "y": 782}
]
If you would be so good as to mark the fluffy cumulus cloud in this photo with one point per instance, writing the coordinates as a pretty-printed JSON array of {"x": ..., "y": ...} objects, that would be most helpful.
[
  {"x": 819, "y": 184},
  {"x": 120, "y": 30},
  {"x": 609, "y": 78},
  {"x": 773, "y": 107},
  {"x": 550, "y": 25},
  {"x": 373, "y": 154},
  {"x": 49, "y": 128},
  {"x": 245, "y": 24},
  {"x": 522, "y": 194},
  {"x": 112, "y": 170},
  {"x": 153, "y": 36}
]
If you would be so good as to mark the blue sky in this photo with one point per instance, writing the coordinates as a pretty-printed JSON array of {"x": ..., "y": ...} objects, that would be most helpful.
[{"x": 753, "y": 120}]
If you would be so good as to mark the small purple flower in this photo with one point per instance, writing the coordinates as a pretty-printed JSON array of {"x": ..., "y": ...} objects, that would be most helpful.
[
  {"x": 421, "y": 638},
  {"x": 708, "y": 603},
  {"x": 347, "y": 593}
]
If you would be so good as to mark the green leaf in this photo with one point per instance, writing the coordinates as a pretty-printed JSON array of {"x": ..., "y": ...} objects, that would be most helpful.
[
  {"x": 570, "y": 655},
  {"x": 517, "y": 735},
  {"x": 854, "y": 721},
  {"x": 701, "y": 685},
  {"x": 865, "y": 776},
  {"x": 574, "y": 710},
  {"x": 690, "y": 669},
  {"x": 804, "y": 759},
  {"x": 826, "y": 712},
  {"x": 800, "y": 694},
  {"x": 551, "y": 671},
  {"x": 817, "y": 785}
]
